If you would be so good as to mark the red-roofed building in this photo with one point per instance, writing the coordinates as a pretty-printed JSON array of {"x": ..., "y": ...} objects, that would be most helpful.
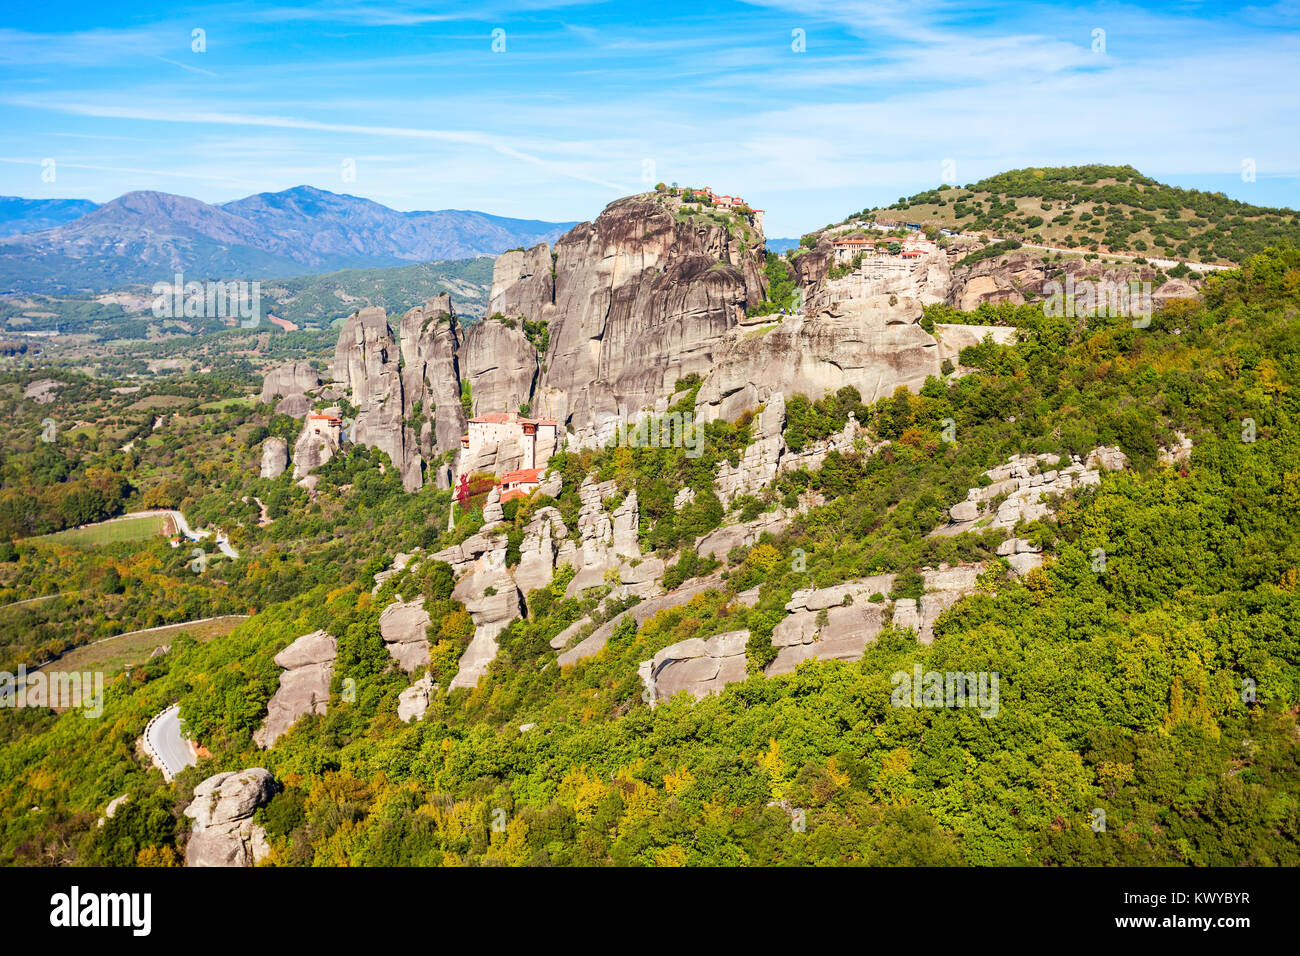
[
  {"x": 519, "y": 483},
  {"x": 326, "y": 423},
  {"x": 537, "y": 438}
]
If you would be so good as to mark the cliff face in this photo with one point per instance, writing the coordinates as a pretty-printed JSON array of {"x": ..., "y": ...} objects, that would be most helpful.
[
  {"x": 642, "y": 296},
  {"x": 366, "y": 362},
  {"x": 871, "y": 344},
  {"x": 501, "y": 365},
  {"x": 522, "y": 282},
  {"x": 431, "y": 341}
]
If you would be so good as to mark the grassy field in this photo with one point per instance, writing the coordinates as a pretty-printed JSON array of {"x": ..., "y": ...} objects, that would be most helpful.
[
  {"x": 110, "y": 532},
  {"x": 113, "y": 654}
]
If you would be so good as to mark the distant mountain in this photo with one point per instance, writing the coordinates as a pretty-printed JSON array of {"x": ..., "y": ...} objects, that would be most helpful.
[
  {"x": 330, "y": 224},
  {"x": 18, "y": 215},
  {"x": 145, "y": 237}
]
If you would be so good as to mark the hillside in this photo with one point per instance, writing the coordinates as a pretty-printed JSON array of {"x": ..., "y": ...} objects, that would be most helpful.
[
  {"x": 146, "y": 237},
  {"x": 854, "y": 461},
  {"x": 1101, "y": 209}
]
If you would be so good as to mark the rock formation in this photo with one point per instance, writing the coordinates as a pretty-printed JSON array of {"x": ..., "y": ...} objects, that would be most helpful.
[
  {"x": 414, "y": 701},
  {"x": 874, "y": 345},
  {"x": 944, "y": 587},
  {"x": 641, "y": 296},
  {"x": 501, "y": 365},
  {"x": 1022, "y": 484},
  {"x": 492, "y": 599},
  {"x": 404, "y": 629},
  {"x": 594, "y": 642},
  {"x": 312, "y": 449},
  {"x": 290, "y": 382},
  {"x": 431, "y": 376},
  {"x": 275, "y": 457},
  {"x": 522, "y": 282},
  {"x": 366, "y": 362},
  {"x": 304, "y": 686},
  {"x": 222, "y": 810},
  {"x": 537, "y": 554},
  {"x": 700, "y": 666},
  {"x": 832, "y": 623}
]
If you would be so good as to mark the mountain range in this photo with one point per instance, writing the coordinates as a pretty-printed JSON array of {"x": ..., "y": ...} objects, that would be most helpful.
[{"x": 146, "y": 237}]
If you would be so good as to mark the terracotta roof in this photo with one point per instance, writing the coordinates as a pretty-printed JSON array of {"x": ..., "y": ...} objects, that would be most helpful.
[
  {"x": 521, "y": 474},
  {"x": 505, "y": 418},
  {"x": 512, "y": 494}
]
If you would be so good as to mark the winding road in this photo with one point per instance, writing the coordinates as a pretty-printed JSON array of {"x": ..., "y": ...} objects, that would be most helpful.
[{"x": 170, "y": 751}]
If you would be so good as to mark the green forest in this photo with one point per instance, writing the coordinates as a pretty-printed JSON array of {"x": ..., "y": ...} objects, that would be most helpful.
[{"x": 1161, "y": 689}]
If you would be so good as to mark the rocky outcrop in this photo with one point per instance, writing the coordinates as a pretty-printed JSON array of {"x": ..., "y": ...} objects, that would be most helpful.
[
  {"x": 522, "y": 282},
  {"x": 699, "y": 666},
  {"x": 414, "y": 701},
  {"x": 312, "y": 449},
  {"x": 431, "y": 375},
  {"x": 944, "y": 587},
  {"x": 304, "y": 686},
  {"x": 641, "y": 297},
  {"x": 592, "y": 555},
  {"x": 595, "y": 642},
  {"x": 759, "y": 461},
  {"x": 720, "y": 542},
  {"x": 924, "y": 279},
  {"x": 287, "y": 385},
  {"x": 1022, "y": 555},
  {"x": 1179, "y": 454},
  {"x": 366, "y": 362},
  {"x": 401, "y": 561},
  {"x": 490, "y": 595},
  {"x": 537, "y": 554},
  {"x": 501, "y": 365},
  {"x": 275, "y": 457},
  {"x": 1021, "y": 485},
  {"x": 1025, "y": 274},
  {"x": 832, "y": 623},
  {"x": 952, "y": 338},
  {"x": 404, "y": 628},
  {"x": 874, "y": 344},
  {"x": 223, "y": 833}
]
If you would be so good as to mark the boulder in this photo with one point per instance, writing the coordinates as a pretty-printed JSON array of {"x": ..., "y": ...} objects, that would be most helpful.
[
  {"x": 275, "y": 457},
  {"x": 414, "y": 701},
  {"x": 697, "y": 666},
  {"x": 404, "y": 629},
  {"x": 290, "y": 383},
  {"x": 223, "y": 833},
  {"x": 304, "y": 686}
]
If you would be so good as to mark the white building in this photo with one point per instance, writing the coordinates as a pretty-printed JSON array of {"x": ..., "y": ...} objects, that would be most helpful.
[{"x": 536, "y": 439}]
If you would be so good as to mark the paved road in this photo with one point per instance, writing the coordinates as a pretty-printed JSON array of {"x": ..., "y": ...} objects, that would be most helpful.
[{"x": 168, "y": 747}]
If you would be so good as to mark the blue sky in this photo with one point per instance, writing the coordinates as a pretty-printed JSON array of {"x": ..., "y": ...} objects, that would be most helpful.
[{"x": 582, "y": 102}]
